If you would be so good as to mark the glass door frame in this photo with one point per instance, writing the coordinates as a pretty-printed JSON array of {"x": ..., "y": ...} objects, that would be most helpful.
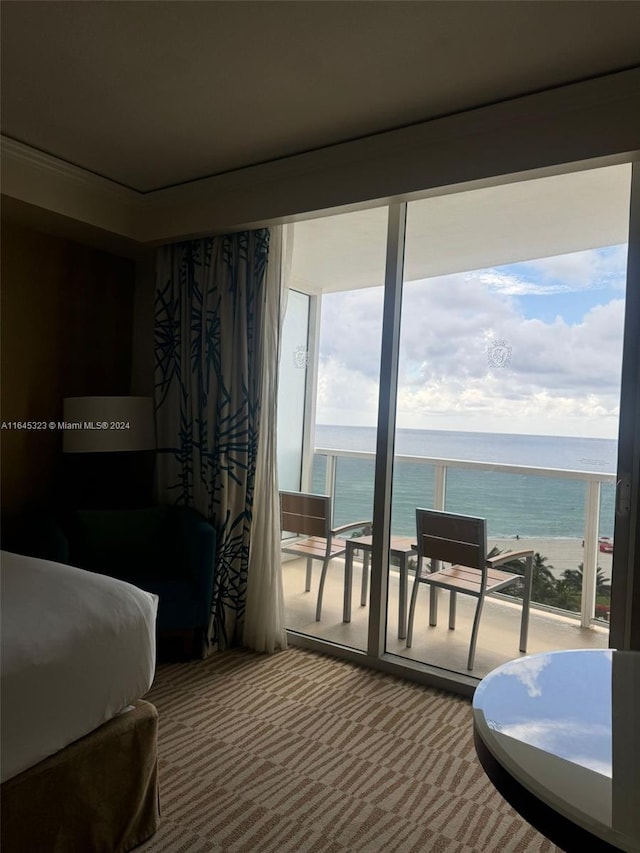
[
  {"x": 625, "y": 576},
  {"x": 313, "y": 354}
]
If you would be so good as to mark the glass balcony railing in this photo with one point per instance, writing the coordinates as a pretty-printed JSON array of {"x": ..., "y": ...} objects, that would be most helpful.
[{"x": 566, "y": 516}]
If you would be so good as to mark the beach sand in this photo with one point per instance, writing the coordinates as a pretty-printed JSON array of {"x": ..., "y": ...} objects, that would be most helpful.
[{"x": 561, "y": 554}]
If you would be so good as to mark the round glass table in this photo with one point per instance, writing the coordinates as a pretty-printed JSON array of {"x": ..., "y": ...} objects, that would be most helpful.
[{"x": 558, "y": 734}]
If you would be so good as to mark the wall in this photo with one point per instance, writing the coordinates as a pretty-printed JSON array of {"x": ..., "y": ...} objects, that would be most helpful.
[
  {"x": 66, "y": 328},
  {"x": 142, "y": 366}
]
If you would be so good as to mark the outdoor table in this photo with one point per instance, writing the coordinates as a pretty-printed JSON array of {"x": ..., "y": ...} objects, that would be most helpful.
[{"x": 402, "y": 548}]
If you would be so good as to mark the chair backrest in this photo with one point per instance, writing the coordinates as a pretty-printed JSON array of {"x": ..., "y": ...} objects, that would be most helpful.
[
  {"x": 305, "y": 515},
  {"x": 460, "y": 539}
]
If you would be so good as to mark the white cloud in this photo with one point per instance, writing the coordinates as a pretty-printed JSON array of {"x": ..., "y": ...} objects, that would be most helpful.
[
  {"x": 352, "y": 329},
  {"x": 566, "y": 739},
  {"x": 527, "y": 672},
  {"x": 583, "y": 270},
  {"x": 512, "y": 285},
  {"x": 577, "y": 271},
  {"x": 562, "y": 377},
  {"x": 345, "y": 395}
]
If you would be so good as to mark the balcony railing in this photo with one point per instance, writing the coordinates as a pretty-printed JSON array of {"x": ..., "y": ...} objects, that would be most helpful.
[{"x": 593, "y": 482}]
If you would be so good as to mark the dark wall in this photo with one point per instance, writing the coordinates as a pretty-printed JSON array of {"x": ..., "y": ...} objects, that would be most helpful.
[{"x": 66, "y": 330}]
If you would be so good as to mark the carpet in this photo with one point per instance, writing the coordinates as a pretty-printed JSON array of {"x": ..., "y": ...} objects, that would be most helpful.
[{"x": 302, "y": 753}]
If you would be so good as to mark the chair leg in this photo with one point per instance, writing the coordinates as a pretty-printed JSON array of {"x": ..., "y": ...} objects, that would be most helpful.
[
  {"x": 348, "y": 584},
  {"x": 307, "y": 583},
  {"x": 402, "y": 593},
  {"x": 526, "y": 603},
  {"x": 434, "y": 593},
  {"x": 365, "y": 578},
  {"x": 453, "y": 596},
  {"x": 323, "y": 577},
  {"x": 474, "y": 632},
  {"x": 433, "y": 605},
  {"x": 412, "y": 606}
]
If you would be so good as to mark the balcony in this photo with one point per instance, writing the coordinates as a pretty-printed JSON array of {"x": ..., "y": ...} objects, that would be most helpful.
[{"x": 550, "y": 627}]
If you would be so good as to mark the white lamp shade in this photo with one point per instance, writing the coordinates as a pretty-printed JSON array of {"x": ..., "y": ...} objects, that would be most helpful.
[{"x": 108, "y": 424}]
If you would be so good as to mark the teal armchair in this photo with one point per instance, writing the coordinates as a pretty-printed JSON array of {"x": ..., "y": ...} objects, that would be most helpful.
[{"x": 167, "y": 550}]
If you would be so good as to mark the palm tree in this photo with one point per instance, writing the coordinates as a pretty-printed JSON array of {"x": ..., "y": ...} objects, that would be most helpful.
[
  {"x": 573, "y": 577},
  {"x": 515, "y": 566},
  {"x": 565, "y": 595},
  {"x": 543, "y": 581}
]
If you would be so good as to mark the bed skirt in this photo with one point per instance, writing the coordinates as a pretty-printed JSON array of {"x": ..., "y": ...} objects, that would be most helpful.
[{"x": 98, "y": 795}]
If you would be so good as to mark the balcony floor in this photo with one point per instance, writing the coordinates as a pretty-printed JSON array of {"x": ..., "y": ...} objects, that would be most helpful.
[{"x": 498, "y": 637}]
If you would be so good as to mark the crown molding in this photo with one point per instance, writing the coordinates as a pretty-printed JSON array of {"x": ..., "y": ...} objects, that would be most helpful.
[
  {"x": 44, "y": 181},
  {"x": 14, "y": 152},
  {"x": 594, "y": 120}
]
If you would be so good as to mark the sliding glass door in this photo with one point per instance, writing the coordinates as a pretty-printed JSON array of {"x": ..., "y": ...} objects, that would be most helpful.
[
  {"x": 468, "y": 361},
  {"x": 339, "y": 262},
  {"x": 508, "y": 403}
]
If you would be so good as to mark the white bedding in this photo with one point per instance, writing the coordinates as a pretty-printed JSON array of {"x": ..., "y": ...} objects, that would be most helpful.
[{"x": 77, "y": 648}]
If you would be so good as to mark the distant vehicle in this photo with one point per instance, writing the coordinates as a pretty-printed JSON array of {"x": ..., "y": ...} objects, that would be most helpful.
[{"x": 605, "y": 544}]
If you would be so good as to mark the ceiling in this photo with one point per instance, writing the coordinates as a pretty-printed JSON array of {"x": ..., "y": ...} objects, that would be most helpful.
[{"x": 153, "y": 94}]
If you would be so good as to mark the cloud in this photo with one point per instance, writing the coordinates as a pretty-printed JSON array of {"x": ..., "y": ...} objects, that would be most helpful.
[
  {"x": 595, "y": 269},
  {"x": 527, "y": 672},
  {"x": 566, "y": 739},
  {"x": 351, "y": 330},
  {"x": 562, "y": 377},
  {"x": 345, "y": 395},
  {"x": 512, "y": 285}
]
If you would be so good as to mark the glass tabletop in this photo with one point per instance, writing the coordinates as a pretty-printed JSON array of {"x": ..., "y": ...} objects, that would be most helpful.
[{"x": 566, "y": 726}]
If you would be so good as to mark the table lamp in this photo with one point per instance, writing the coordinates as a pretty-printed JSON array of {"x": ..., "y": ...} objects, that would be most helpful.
[{"x": 109, "y": 452}]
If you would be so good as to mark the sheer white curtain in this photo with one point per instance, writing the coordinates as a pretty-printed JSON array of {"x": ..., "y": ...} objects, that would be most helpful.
[{"x": 264, "y": 621}]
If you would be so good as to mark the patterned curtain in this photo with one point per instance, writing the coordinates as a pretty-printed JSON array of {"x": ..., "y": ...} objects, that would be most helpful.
[{"x": 209, "y": 305}]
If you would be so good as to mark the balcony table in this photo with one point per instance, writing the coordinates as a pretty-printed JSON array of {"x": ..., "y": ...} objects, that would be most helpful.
[
  {"x": 400, "y": 547},
  {"x": 558, "y": 736}
]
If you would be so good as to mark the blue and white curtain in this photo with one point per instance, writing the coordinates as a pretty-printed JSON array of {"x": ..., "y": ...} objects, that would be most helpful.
[{"x": 209, "y": 340}]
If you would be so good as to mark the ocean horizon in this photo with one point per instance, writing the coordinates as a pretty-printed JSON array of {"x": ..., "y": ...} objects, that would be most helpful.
[{"x": 524, "y": 505}]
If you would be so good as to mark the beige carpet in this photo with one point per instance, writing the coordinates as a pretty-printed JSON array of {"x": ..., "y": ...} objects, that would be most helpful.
[{"x": 300, "y": 752}]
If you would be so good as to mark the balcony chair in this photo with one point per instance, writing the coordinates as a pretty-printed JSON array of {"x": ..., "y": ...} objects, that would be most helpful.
[
  {"x": 310, "y": 516},
  {"x": 462, "y": 541}
]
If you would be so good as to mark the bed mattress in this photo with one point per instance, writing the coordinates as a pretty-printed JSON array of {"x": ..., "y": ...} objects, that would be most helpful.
[{"x": 77, "y": 649}]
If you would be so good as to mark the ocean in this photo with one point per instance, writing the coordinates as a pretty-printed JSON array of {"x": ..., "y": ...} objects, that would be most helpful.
[{"x": 513, "y": 504}]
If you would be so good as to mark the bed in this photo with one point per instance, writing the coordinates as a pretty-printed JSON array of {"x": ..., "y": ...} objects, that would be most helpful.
[{"x": 78, "y": 756}]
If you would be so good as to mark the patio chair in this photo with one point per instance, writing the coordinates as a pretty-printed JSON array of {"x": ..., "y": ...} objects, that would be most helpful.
[
  {"x": 462, "y": 541},
  {"x": 310, "y": 516}
]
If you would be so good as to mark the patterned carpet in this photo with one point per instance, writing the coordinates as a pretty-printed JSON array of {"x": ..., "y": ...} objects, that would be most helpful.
[{"x": 301, "y": 753}]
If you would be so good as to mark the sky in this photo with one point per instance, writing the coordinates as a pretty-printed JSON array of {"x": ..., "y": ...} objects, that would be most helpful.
[{"x": 533, "y": 347}]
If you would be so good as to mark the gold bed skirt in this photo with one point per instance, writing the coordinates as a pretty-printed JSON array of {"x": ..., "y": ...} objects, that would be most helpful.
[{"x": 98, "y": 795}]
